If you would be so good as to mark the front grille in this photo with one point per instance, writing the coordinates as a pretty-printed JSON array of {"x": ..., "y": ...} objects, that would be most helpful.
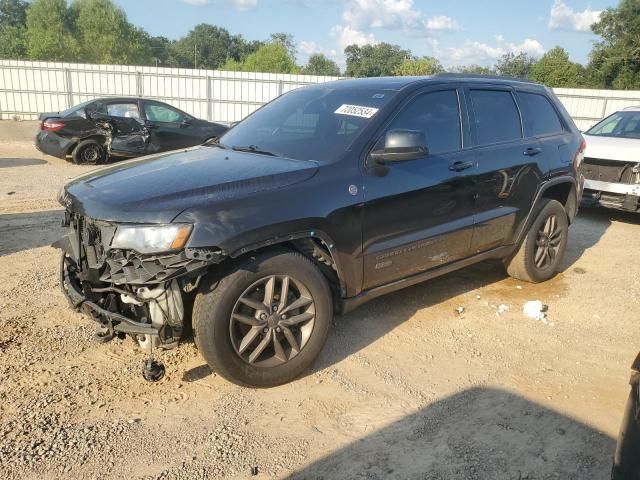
[{"x": 611, "y": 171}]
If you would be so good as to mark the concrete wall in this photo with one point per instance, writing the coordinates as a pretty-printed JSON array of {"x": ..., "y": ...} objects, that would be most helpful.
[{"x": 28, "y": 88}]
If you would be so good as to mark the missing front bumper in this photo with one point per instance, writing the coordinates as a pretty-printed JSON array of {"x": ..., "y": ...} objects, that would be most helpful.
[{"x": 114, "y": 322}]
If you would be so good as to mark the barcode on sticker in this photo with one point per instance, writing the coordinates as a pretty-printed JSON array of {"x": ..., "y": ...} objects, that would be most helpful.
[{"x": 356, "y": 111}]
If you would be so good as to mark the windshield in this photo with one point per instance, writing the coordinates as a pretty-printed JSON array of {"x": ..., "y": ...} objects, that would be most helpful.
[
  {"x": 308, "y": 124},
  {"x": 620, "y": 124}
]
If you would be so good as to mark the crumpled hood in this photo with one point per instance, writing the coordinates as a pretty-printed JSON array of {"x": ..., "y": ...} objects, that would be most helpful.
[
  {"x": 611, "y": 148},
  {"x": 157, "y": 188}
]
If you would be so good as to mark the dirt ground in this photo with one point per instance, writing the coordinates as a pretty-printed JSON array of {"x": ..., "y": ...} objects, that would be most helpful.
[{"x": 406, "y": 388}]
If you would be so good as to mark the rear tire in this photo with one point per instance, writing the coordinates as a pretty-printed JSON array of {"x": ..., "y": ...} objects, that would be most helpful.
[
  {"x": 541, "y": 252},
  {"x": 255, "y": 331},
  {"x": 88, "y": 152}
]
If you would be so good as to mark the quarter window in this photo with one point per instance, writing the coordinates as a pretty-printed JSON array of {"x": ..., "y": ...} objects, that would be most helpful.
[
  {"x": 124, "y": 110},
  {"x": 437, "y": 114},
  {"x": 496, "y": 115},
  {"x": 538, "y": 115}
]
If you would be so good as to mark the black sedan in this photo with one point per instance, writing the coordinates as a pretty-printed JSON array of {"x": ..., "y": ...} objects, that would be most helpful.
[{"x": 94, "y": 131}]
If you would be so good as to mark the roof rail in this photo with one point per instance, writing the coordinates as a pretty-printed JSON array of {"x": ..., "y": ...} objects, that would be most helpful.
[{"x": 484, "y": 77}]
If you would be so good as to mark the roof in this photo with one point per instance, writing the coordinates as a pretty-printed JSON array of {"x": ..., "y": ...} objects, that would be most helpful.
[
  {"x": 635, "y": 108},
  {"x": 398, "y": 83}
]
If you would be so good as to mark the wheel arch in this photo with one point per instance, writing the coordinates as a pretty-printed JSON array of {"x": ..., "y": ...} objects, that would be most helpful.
[
  {"x": 562, "y": 189},
  {"x": 316, "y": 245},
  {"x": 97, "y": 138}
]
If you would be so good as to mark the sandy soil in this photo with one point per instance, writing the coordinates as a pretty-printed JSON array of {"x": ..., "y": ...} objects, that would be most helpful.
[{"x": 406, "y": 388}]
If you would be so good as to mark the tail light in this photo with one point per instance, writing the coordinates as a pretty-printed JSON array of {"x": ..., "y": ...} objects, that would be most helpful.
[
  {"x": 52, "y": 125},
  {"x": 579, "y": 156}
]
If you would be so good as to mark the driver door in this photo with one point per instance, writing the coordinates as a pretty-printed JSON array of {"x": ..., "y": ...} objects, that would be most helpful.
[{"x": 418, "y": 214}]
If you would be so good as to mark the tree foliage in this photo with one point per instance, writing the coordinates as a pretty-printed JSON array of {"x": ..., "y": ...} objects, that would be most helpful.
[
  {"x": 518, "y": 65},
  {"x": 13, "y": 13},
  {"x": 106, "y": 36},
  {"x": 271, "y": 57},
  {"x": 555, "y": 69},
  {"x": 615, "y": 61},
  {"x": 51, "y": 33},
  {"x": 318, "y": 64},
  {"x": 419, "y": 66},
  {"x": 475, "y": 70},
  {"x": 376, "y": 60}
]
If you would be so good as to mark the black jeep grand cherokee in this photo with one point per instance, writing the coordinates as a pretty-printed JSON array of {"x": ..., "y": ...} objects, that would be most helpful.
[{"x": 324, "y": 198}]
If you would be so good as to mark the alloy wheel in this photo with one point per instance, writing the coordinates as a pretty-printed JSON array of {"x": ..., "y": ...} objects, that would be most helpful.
[
  {"x": 91, "y": 154},
  {"x": 547, "y": 243},
  {"x": 272, "y": 321}
]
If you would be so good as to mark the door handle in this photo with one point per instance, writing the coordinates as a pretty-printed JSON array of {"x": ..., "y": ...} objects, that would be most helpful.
[
  {"x": 460, "y": 166},
  {"x": 531, "y": 151}
]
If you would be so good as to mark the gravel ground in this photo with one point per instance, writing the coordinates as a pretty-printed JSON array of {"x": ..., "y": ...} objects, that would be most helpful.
[{"x": 409, "y": 386}]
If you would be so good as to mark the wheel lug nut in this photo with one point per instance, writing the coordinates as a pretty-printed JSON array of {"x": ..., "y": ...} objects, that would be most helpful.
[
  {"x": 275, "y": 308},
  {"x": 283, "y": 317},
  {"x": 265, "y": 330},
  {"x": 263, "y": 316},
  {"x": 278, "y": 330}
]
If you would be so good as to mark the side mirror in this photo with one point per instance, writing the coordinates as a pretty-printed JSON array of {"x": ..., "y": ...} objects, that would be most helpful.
[
  {"x": 401, "y": 145},
  {"x": 185, "y": 123}
]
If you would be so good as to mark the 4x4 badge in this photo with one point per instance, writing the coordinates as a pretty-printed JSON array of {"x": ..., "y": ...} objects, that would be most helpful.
[{"x": 353, "y": 190}]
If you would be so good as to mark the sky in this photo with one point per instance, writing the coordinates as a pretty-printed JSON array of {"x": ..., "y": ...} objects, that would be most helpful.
[{"x": 457, "y": 32}]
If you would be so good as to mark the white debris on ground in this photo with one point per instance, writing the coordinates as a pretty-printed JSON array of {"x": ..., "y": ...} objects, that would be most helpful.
[
  {"x": 459, "y": 310},
  {"x": 537, "y": 310},
  {"x": 501, "y": 309}
]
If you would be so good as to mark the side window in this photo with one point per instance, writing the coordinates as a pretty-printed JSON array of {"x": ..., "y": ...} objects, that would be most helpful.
[
  {"x": 437, "y": 114},
  {"x": 162, "y": 114},
  {"x": 125, "y": 110},
  {"x": 538, "y": 115},
  {"x": 497, "y": 118}
]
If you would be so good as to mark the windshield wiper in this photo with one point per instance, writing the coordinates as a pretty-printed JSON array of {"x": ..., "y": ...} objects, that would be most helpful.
[
  {"x": 253, "y": 149},
  {"x": 215, "y": 143}
]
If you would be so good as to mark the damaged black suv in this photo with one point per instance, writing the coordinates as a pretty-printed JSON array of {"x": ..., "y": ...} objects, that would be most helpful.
[{"x": 324, "y": 198}]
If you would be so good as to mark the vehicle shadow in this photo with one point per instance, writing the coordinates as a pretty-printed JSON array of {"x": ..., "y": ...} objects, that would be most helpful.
[
  {"x": 20, "y": 162},
  {"x": 23, "y": 231},
  {"x": 585, "y": 232},
  {"x": 480, "y": 433}
]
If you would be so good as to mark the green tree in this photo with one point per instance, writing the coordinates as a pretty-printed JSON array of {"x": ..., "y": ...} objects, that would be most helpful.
[
  {"x": 50, "y": 31},
  {"x": 13, "y": 42},
  {"x": 271, "y": 57},
  {"x": 205, "y": 46},
  {"x": 319, "y": 64},
  {"x": 615, "y": 61},
  {"x": 419, "y": 66},
  {"x": 106, "y": 36},
  {"x": 13, "y": 13},
  {"x": 374, "y": 60},
  {"x": 555, "y": 69},
  {"x": 516, "y": 65},
  {"x": 475, "y": 70},
  {"x": 13, "y": 31},
  {"x": 286, "y": 40}
]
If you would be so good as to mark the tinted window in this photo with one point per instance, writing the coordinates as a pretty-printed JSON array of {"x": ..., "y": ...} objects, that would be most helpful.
[
  {"x": 125, "y": 110},
  {"x": 160, "y": 113},
  {"x": 538, "y": 115},
  {"x": 620, "y": 124},
  {"x": 497, "y": 118},
  {"x": 313, "y": 123},
  {"x": 437, "y": 115}
]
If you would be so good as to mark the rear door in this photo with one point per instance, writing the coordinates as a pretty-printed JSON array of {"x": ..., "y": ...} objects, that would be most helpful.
[
  {"x": 509, "y": 169},
  {"x": 169, "y": 127},
  {"x": 418, "y": 214}
]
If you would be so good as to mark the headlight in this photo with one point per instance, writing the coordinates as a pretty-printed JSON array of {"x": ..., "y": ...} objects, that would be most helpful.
[{"x": 151, "y": 238}]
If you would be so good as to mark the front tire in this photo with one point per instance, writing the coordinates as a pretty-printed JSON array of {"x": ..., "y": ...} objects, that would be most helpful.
[
  {"x": 541, "y": 252},
  {"x": 265, "y": 322}
]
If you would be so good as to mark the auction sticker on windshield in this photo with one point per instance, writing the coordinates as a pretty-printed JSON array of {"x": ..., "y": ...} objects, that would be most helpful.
[{"x": 356, "y": 111}]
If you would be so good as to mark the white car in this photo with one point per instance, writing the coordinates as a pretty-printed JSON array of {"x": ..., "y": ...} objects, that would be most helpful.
[{"x": 611, "y": 166}]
